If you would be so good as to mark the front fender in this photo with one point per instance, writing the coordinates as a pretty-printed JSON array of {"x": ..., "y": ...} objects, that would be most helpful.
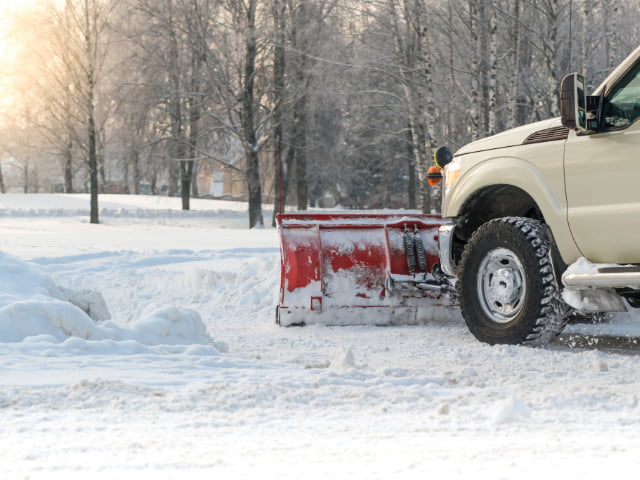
[{"x": 535, "y": 169}]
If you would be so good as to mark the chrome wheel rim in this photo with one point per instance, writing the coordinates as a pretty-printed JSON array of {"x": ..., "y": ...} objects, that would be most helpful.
[{"x": 501, "y": 285}]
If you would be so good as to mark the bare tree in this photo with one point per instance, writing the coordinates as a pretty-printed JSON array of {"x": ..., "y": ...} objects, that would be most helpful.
[
  {"x": 80, "y": 42},
  {"x": 278, "y": 12},
  {"x": 245, "y": 18},
  {"x": 410, "y": 32}
]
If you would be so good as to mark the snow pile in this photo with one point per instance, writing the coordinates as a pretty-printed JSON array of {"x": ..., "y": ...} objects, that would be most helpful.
[
  {"x": 510, "y": 410},
  {"x": 89, "y": 301},
  {"x": 31, "y": 304},
  {"x": 343, "y": 359},
  {"x": 157, "y": 324},
  {"x": 33, "y": 307}
]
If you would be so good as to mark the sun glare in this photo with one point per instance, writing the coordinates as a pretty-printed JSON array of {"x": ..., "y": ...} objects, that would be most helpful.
[
  {"x": 6, "y": 5},
  {"x": 8, "y": 11}
]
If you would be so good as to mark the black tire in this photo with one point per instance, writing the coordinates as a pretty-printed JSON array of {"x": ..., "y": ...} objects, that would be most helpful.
[{"x": 507, "y": 286}]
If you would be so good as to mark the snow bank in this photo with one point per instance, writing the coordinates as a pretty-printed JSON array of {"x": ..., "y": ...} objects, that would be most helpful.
[
  {"x": 12, "y": 205},
  {"x": 18, "y": 278},
  {"x": 31, "y": 304},
  {"x": 33, "y": 309},
  {"x": 124, "y": 213}
]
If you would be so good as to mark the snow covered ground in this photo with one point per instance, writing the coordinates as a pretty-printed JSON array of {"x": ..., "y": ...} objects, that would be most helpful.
[{"x": 191, "y": 378}]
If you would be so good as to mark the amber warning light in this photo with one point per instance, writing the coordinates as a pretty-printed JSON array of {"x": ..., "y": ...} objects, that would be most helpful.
[{"x": 434, "y": 175}]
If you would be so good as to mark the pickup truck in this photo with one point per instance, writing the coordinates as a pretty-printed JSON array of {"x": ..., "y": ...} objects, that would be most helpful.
[{"x": 544, "y": 219}]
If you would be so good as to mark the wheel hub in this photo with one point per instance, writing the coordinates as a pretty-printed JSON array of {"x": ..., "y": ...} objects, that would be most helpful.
[{"x": 501, "y": 285}]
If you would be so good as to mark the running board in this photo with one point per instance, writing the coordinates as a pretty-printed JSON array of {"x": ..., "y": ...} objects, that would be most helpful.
[{"x": 605, "y": 277}]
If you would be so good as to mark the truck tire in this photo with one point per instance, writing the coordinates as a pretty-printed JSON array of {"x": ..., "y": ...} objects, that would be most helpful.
[{"x": 507, "y": 285}]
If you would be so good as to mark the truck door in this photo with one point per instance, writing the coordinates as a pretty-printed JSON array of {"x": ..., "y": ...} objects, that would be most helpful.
[{"x": 602, "y": 178}]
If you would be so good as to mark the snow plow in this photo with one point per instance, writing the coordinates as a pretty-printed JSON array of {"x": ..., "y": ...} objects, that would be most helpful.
[{"x": 361, "y": 268}]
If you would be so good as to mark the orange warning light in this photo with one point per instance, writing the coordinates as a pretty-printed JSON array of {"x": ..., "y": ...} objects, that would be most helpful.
[{"x": 434, "y": 175}]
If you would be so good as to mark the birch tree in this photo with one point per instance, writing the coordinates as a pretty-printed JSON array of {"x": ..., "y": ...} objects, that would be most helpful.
[
  {"x": 89, "y": 22},
  {"x": 278, "y": 12},
  {"x": 81, "y": 42},
  {"x": 411, "y": 37},
  {"x": 514, "y": 80}
]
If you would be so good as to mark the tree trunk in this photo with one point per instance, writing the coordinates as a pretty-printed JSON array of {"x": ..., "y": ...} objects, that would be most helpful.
[
  {"x": 483, "y": 58},
  {"x": 68, "y": 168},
  {"x": 195, "y": 191},
  {"x": 475, "y": 71},
  {"x": 25, "y": 176},
  {"x": 248, "y": 120},
  {"x": 287, "y": 167},
  {"x": 279, "y": 68},
  {"x": 452, "y": 127},
  {"x": 585, "y": 35},
  {"x": 420, "y": 96},
  {"x": 178, "y": 167},
  {"x": 300, "y": 147},
  {"x": 407, "y": 44},
  {"x": 613, "y": 46},
  {"x": 186, "y": 169},
  {"x": 93, "y": 163},
  {"x": 194, "y": 103},
  {"x": 135, "y": 161},
  {"x": 175, "y": 108},
  {"x": 551, "y": 57},
  {"x": 515, "y": 69},
  {"x": 492, "y": 68},
  {"x": 91, "y": 120},
  {"x": 300, "y": 80},
  {"x": 411, "y": 171},
  {"x": 154, "y": 183},
  {"x": 102, "y": 173}
]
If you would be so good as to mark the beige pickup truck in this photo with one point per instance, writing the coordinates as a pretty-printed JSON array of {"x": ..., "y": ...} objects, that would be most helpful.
[{"x": 544, "y": 219}]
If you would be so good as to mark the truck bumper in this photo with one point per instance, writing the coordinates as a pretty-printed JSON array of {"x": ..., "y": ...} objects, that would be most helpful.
[{"x": 445, "y": 242}]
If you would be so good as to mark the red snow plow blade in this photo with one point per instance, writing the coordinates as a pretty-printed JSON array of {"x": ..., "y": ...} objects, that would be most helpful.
[{"x": 354, "y": 269}]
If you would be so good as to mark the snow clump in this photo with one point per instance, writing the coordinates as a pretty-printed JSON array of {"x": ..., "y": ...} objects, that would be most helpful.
[{"x": 510, "y": 410}]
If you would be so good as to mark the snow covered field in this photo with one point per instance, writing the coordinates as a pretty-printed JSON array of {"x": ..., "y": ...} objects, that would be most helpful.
[{"x": 191, "y": 378}]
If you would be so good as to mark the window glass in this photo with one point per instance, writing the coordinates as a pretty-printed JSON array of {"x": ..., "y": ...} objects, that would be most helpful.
[{"x": 622, "y": 106}]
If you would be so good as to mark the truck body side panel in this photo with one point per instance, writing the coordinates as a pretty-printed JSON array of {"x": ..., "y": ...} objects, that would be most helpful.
[{"x": 603, "y": 194}]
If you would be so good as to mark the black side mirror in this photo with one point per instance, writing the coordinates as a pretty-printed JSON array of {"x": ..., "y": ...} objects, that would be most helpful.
[
  {"x": 442, "y": 156},
  {"x": 573, "y": 102}
]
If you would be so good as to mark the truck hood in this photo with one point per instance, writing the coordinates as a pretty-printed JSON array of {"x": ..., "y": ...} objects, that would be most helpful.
[{"x": 509, "y": 138}]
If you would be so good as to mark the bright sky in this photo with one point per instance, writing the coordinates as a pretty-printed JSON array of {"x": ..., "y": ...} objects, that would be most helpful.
[
  {"x": 6, "y": 7},
  {"x": 9, "y": 5},
  {"x": 6, "y": 56}
]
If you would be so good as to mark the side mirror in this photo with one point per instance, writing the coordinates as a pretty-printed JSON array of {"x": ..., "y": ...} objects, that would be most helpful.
[
  {"x": 573, "y": 103},
  {"x": 442, "y": 156}
]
